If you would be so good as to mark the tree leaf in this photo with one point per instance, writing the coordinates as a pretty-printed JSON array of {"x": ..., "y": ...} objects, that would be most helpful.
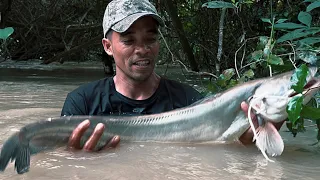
[
  {"x": 257, "y": 55},
  {"x": 310, "y": 40},
  {"x": 289, "y": 25},
  {"x": 266, "y": 20},
  {"x": 218, "y": 4},
  {"x": 310, "y": 0},
  {"x": 298, "y": 78},
  {"x": 308, "y": 56},
  {"x": 221, "y": 81},
  {"x": 311, "y": 113},
  {"x": 294, "y": 108},
  {"x": 313, "y": 6},
  {"x": 305, "y": 18},
  {"x": 228, "y": 73},
  {"x": 298, "y": 33},
  {"x": 263, "y": 40},
  {"x": 281, "y": 21},
  {"x": 6, "y": 32},
  {"x": 249, "y": 73},
  {"x": 276, "y": 60}
]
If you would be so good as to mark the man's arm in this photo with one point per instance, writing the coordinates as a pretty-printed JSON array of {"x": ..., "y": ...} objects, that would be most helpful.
[{"x": 74, "y": 104}]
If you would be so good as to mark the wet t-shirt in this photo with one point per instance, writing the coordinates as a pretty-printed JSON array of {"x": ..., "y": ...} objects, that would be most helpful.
[{"x": 101, "y": 98}]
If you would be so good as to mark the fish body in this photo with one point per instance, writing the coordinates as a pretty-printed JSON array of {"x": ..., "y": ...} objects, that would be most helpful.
[{"x": 214, "y": 118}]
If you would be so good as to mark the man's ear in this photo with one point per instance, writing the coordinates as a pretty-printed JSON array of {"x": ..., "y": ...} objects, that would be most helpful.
[{"x": 107, "y": 46}]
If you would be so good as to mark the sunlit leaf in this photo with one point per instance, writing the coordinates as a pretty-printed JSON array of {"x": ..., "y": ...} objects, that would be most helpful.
[
  {"x": 294, "y": 108},
  {"x": 249, "y": 73},
  {"x": 305, "y": 18},
  {"x": 276, "y": 60},
  {"x": 289, "y": 25},
  {"x": 218, "y": 4},
  {"x": 311, "y": 113},
  {"x": 221, "y": 81},
  {"x": 308, "y": 56},
  {"x": 266, "y": 20},
  {"x": 6, "y": 32},
  {"x": 228, "y": 73},
  {"x": 232, "y": 83},
  {"x": 281, "y": 21},
  {"x": 257, "y": 55},
  {"x": 212, "y": 87},
  {"x": 298, "y": 78},
  {"x": 313, "y": 6},
  {"x": 268, "y": 48},
  {"x": 263, "y": 40}
]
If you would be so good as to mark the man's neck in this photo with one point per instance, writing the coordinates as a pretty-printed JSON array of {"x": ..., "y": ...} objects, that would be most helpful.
[{"x": 137, "y": 90}]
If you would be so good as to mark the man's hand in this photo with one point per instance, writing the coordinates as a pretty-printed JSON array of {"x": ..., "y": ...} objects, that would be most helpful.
[
  {"x": 246, "y": 137},
  {"x": 74, "y": 140}
]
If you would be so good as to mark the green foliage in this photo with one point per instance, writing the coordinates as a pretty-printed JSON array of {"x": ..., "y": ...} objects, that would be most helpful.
[
  {"x": 310, "y": 112},
  {"x": 218, "y": 4},
  {"x": 305, "y": 18},
  {"x": 313, "y": 5},
  {"x": 297, "y": 112},
  {"x": 6, "y": 32},
  {"x": 4, "y": 35},
  {"x": 288, "y": 25},
  {"x": 301, "y": 30},
  {"x": 302, "y": 38},
  {"x": 299, "y": 78},
  {"x": 294, "y": 108}
]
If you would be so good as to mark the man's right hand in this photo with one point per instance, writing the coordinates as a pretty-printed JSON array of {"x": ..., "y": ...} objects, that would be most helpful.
[{"x": 74, "y": 140}]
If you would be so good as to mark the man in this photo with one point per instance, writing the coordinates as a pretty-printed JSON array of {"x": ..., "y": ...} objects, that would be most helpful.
[{"x": 130, "y": 30}]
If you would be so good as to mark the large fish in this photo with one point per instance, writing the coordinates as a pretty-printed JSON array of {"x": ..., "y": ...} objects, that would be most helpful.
[{"x": 214, "y": 118}]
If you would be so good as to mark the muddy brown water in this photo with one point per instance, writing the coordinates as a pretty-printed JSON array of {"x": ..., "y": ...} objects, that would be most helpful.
[{"x": 31, "y": 92}]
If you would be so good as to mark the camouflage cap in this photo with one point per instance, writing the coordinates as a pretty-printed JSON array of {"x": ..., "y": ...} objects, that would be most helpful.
[{"x": 121, "y": 14}]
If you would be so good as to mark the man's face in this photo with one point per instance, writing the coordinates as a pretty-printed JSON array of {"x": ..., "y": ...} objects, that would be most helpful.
[{"x": 135, "y": 50}]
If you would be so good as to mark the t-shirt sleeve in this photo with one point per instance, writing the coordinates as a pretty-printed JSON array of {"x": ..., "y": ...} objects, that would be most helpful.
[
  {"x": 192, "y": 95},
  {"x": 74, "y": 105},
  {"x": 180, "y": 94}
]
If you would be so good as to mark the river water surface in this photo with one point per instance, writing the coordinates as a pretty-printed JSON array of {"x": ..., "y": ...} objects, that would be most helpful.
[{"x": 32, "y": 92}]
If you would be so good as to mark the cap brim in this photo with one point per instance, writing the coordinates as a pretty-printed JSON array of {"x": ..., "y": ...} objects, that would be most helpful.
[{"x": 125, "y": 23}]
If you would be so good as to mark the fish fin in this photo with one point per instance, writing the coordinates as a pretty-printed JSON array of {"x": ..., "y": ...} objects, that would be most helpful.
[
  {"x": 12, "y": 150},
  {"x": 22, "y": 163},
  {"x": 9, "y": 151},
  {"x": 268, "y": 140}
]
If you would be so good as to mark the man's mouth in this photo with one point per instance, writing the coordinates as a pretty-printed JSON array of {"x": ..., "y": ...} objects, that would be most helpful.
[{"x": 142, "y": 63}]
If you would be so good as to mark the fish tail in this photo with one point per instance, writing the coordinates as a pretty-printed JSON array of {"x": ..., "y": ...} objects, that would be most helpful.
[
  {"x": 14, "y": 149},
  {"x": 22, "y": 163}
]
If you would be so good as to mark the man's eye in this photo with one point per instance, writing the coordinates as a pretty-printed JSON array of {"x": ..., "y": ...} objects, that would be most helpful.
[
  {"x": 127, "y": 41},
  {"x": 152, "y": 40}
]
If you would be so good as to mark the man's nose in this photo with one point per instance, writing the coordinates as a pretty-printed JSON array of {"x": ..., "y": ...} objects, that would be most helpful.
[{"x": 143, "y": 48}]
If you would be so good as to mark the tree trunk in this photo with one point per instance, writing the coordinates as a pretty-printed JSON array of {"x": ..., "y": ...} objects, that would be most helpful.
[{"x": 173, "y": 12}]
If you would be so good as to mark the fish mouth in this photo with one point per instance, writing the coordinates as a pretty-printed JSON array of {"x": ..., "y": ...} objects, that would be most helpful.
[{"x": 311, "y": 85}]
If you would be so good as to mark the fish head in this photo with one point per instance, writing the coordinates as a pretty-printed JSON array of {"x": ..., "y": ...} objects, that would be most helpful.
[{"x": 273, "y": 95}]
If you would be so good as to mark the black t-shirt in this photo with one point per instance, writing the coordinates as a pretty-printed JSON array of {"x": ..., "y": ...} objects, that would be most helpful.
[{"x": 101, "y": 98}]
